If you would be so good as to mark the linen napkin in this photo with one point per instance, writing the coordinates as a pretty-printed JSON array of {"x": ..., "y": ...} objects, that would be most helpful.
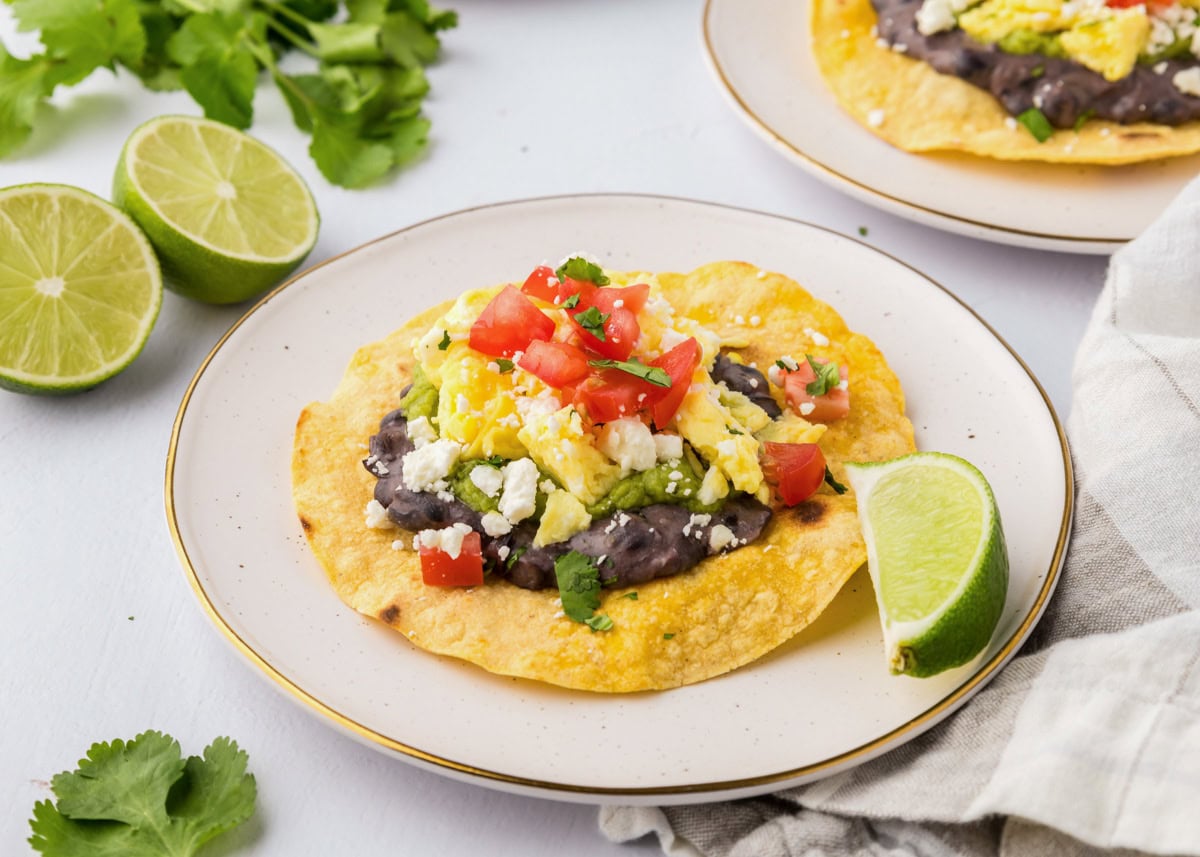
[{"x": 1089, "y": 740}]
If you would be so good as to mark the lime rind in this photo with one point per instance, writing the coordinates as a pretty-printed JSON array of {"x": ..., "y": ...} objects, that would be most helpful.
[
  {"x": 80, "y": 289},
  {"x": 960, "y": 625}
]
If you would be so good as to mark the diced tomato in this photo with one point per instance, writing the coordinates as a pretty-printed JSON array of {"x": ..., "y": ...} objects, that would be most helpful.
[
  {"x": 542, "y": 284},
  {"x": 621, "y": 332},
  {"x": 438, "y": 568},
  {"x": 569, "y": 288},
  {"x": 632, "y": 298},
  {"x": 1125, "y": 4},
  {"x": 508, "y": 324},
  {"x": 612, "y": 394},
  {"x": 833, "y": 405},
  {"x": 680, "y": 362},
  {"x": 556, "y": 363},
  {"x": 795, "y": 469}
]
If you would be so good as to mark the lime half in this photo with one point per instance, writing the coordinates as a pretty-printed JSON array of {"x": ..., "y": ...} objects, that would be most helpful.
[
  {"x": 937, "y": 558},
  {"x": 79, "y": 289},
  {"x": 228, "y": 216}
]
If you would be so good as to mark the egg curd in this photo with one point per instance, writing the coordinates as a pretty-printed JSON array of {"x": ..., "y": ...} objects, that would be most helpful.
[{"x": 533, "y": 441}]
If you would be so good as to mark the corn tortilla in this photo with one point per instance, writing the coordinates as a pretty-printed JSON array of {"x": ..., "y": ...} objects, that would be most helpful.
[
  {"x": 925, "y": 111},
  {"x": 726, "y": 612}
]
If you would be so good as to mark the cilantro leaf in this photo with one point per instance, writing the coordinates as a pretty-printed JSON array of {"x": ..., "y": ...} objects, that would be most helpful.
[
  {"x": 505, "y": 365},
  {"x": 513, "y": 557},
  {"x": 24, "y": 85},
  {"x": 1083, "y": 118},
  {"x": 579, "y": 268},
  {"x": 668, "y": 636},
  {"x": 87, "y": 33},
  {"x": 1036, "y": 123},
  {"x": 147, "y": 798},
  {"x": 445, "y": 343},
  {"x": 654, "y": 375},
  {"x": 572, "y": 301},
  {"x": 592, "y": 320},
  {"x": 827, "y": 378},
  {"x": 632, "y": 596},
  {"x": 579, "y": 586},
  {"x": 832, "y": 482},
  {"x": 599, "y": 622}
]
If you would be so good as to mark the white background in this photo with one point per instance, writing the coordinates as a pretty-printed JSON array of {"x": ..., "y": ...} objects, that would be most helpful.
[{"x": 100, "y": 635}]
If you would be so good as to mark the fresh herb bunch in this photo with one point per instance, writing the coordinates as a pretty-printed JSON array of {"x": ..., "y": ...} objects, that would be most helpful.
[
  {"x": 142, "y": 799},
  {"x": 362, "y": 104}
]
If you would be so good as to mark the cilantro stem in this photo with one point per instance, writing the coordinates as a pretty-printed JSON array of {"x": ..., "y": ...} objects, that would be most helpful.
[
  {"x": 291, "y": 14},
  {"x": 291, "y": 36}
]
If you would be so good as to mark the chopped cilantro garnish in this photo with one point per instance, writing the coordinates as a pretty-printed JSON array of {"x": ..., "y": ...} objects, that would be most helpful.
[
  {"x": 599, "y": 622},
  {"x": 787, "y": 364},
  {"x": 578, "y": 268},
  {"x": 668, "y": 636},
  {"x": 572, "y": 301},
  {"x": 833, "y": 483},
  {"x": 1083, "y": 117},
  {"x": 495, "y": 460},
  {"x": 141, "y": 798},
  {"x": 862, "y": 230},
  {"x": 827, "y": 377},
  {"x": 505, "y": 365},
  {"x": 579, "y": 586},
  {"x": 513, "y": 557},
  {"x": 732, "y": 430},
  {"x": 592, "y": 320},
  {"x": 445, "y": 343},
  {"x": 632, "y": 596},
  {"x": 1037, "y": 71},
  {"x": 1037, "y": 124},
  {"x": 654, "y": 375}
]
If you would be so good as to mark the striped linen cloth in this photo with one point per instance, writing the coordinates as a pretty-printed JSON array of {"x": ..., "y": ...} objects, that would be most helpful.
[{"x": 1088, "y": 742}]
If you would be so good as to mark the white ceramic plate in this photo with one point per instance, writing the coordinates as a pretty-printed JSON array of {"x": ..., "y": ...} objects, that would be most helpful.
[
  {"x": 759, "y": 51},
  {"x": 819, "y": 704}
]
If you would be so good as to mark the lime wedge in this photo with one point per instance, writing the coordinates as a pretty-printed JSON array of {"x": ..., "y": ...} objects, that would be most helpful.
[
  {"x": 228, "y": 216},
  {"x": 937, "y": 558},
  {"x": 79, "y": 289}
]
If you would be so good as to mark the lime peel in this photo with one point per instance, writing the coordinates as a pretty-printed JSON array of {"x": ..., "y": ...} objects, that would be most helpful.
[{"x": 937, "y": 557}]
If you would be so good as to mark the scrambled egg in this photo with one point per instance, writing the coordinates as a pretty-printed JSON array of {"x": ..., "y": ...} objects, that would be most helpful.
[
  {"x": 1106, "y": 40},
  {"x": 559, "y": 445}
]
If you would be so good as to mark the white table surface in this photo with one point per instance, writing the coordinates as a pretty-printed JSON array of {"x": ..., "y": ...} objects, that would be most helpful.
[{"x": 100, "y": 635}]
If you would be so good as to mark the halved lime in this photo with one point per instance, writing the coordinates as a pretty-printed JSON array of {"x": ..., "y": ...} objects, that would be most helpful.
[
  {"x": 937, "y": 558},
  {"x": 79, "y": 289},
  {"x": 228, "y": 216}
]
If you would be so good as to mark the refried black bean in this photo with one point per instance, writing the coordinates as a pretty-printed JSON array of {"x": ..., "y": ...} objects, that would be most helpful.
[
  {"x": 1062, "y": 89},
  {"x": 748, "y": 381},
  {"x": 636, "y": 546}
]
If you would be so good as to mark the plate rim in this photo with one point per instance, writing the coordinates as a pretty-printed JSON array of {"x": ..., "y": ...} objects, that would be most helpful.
[
  {"x": 1090, "y": 244},
  {"x": 561, "y": 790}
]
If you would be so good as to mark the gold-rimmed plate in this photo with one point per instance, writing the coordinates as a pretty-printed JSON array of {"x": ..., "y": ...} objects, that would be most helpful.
[
  {"x": 818, "y": 705},
  {"x": 759, "y": 51}
]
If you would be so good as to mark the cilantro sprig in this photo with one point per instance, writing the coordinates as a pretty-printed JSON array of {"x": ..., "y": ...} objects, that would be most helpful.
[
  {"x": 361, "y": 100},
  {"x": 654, "y": 375},
  {"x": 142, "y": 799},
  {"x": 579, "y": 587},
  {"x": 827, "y": 378},
  {"x": 579, "y": 268}
]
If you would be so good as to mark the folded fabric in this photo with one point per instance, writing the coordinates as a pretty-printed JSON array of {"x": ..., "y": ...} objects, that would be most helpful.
[{"x": 1089, "y": 740}]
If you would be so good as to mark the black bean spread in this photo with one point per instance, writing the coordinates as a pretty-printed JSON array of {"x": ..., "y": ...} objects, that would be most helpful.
[
  {"x": 635, "y": 546},
  {"x": 1065, "y": 91}
]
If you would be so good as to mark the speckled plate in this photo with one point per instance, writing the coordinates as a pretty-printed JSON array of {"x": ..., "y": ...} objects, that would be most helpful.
[
  {"x": 759, "y": 52},
  {"x": 819, "y": 704}
]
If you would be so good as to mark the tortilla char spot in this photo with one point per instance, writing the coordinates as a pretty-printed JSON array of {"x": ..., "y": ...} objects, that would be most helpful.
[
  {"x": 390, "y": 614},
  {"x": 809, "y": 512},
  {"x": 1139, "y": 135},
  {"x": 306, "y": 523}
]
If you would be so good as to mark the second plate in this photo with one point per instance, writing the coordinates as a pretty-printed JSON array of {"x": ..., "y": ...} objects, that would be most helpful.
[{"x": 760, "y": 52}]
